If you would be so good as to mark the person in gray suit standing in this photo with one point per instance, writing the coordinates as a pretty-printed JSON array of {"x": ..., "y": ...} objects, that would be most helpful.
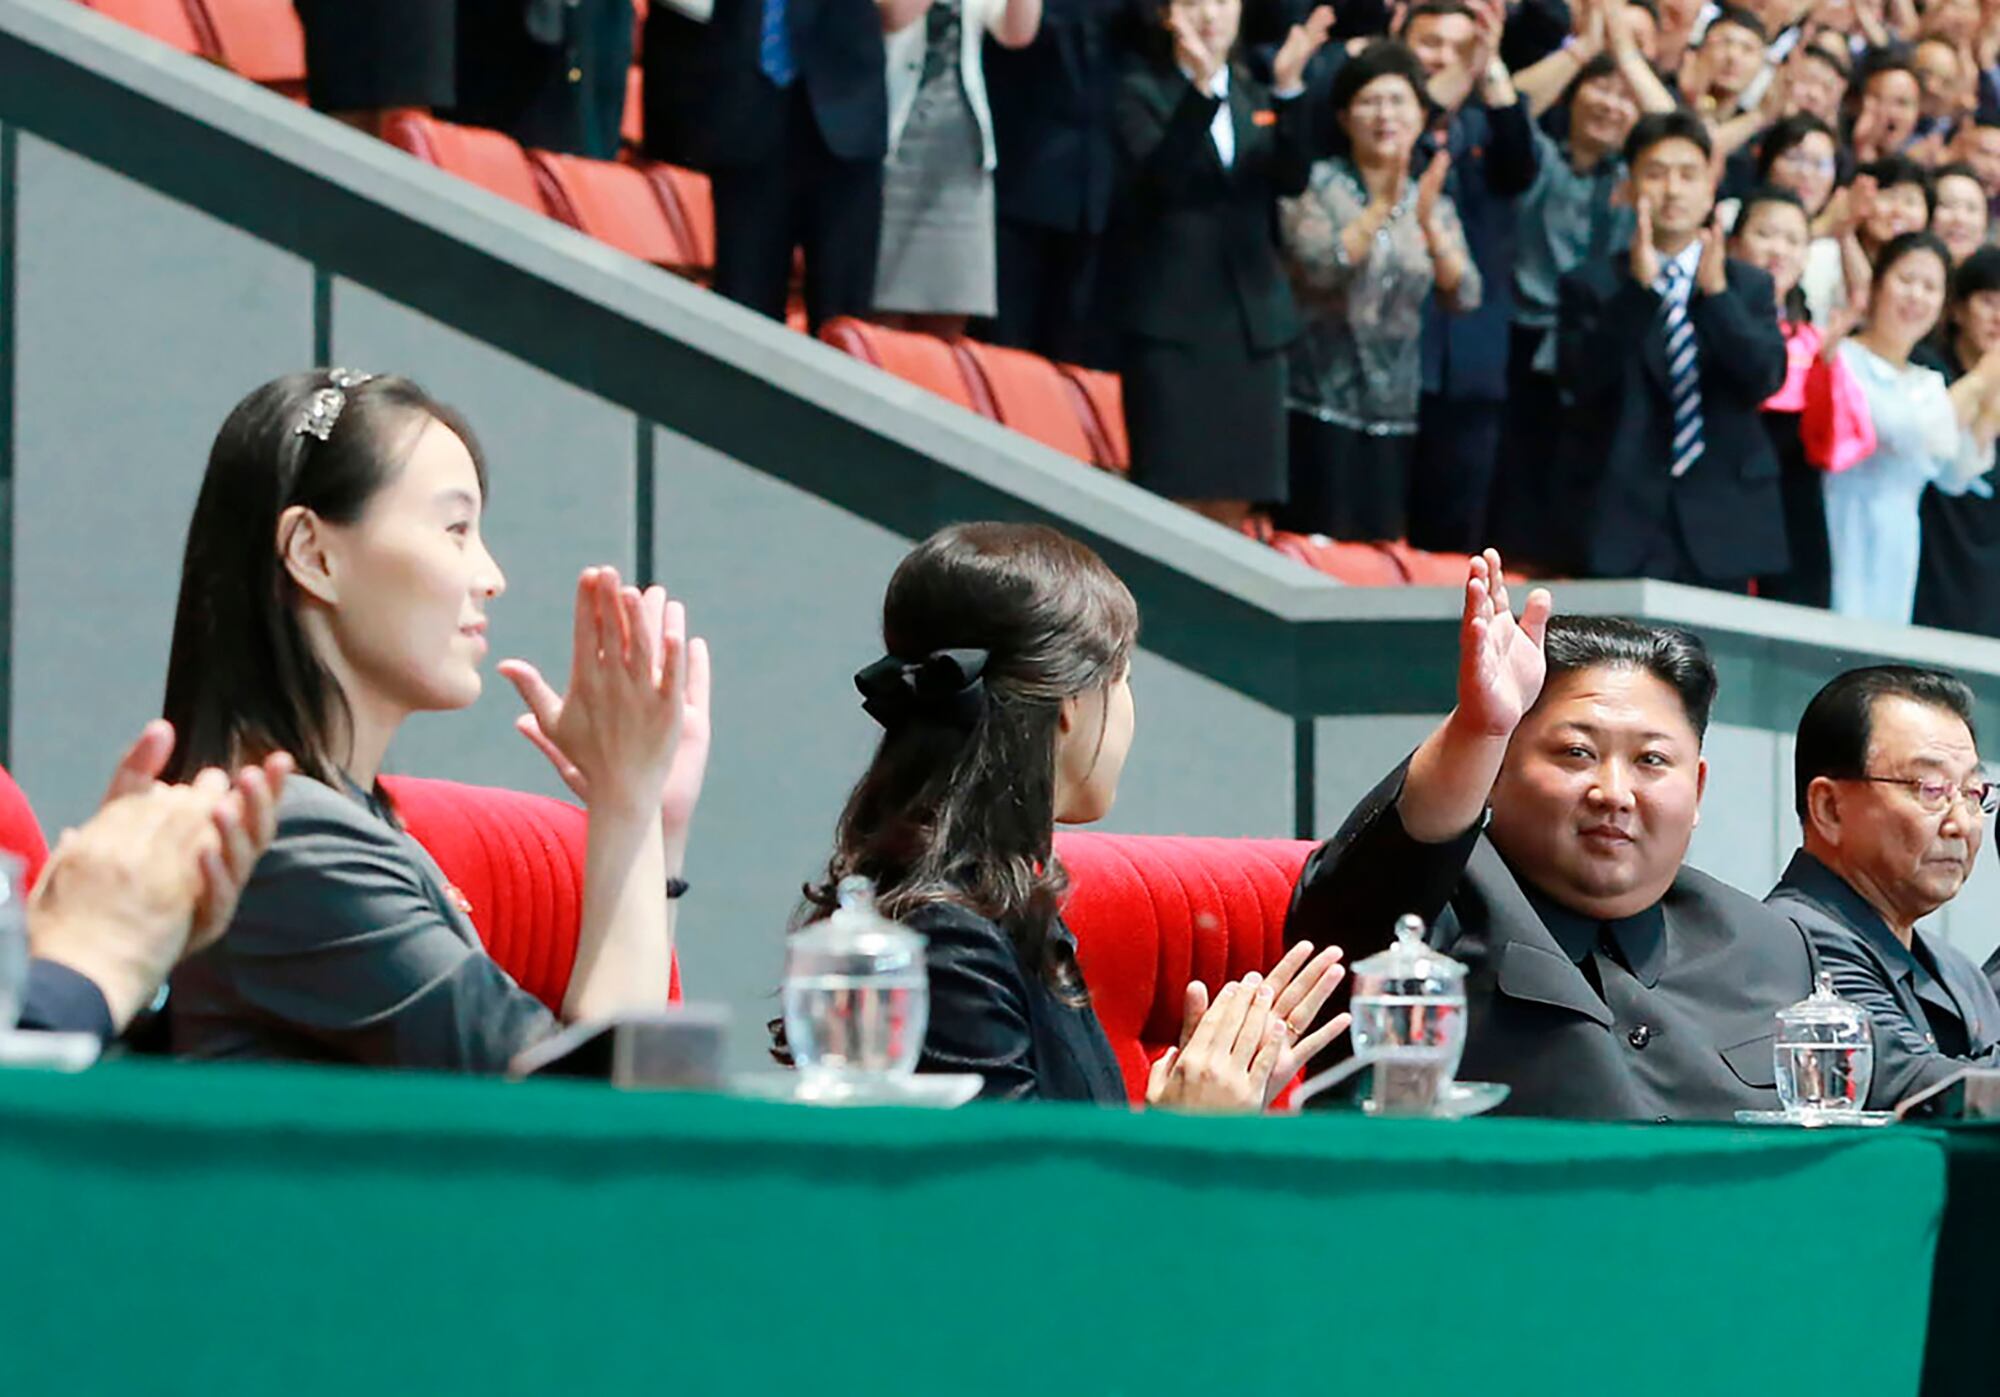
[
  {"x": 1894, "y": 803},
  {"x": 1540, "y": 832}
]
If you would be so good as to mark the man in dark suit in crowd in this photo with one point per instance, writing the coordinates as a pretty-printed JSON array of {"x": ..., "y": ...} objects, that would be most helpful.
[
  {"x": 1486, "y": 130},
  {"x": 153, "y": 876},
  {"x": 1052, "y": 119},
  {"x": 784, "y": 104},
  {"x": 1665, "y": 355},
  {"x": 1894, "y": 804},
  {"x": 1540, "y": 832}
]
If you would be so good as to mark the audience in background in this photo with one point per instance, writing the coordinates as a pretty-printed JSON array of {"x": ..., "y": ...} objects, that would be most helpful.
[
  {"x": 1818, "y": 421},
  {"x": 1666, "y": 352},
  {"x": 784, "y": 104},
  {"x": 550, "y": 73},
  {"x": 935, "y": 268},
  {"x": 1195, "y": 282},
  {"x": 1927, "y": 434},
  {"x": 1005, "y": 701},
  {"x": 1368, "y": 242},
  {"x": 335, "y": 583},
  {"x": 1958, "y": 568},
  {"x": 1959, "y": 215}
]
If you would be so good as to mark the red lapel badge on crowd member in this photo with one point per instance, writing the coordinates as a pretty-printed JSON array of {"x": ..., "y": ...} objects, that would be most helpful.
[
  {"x": 1477, "y": 153},
  {"x": 1264, "y": 118}
]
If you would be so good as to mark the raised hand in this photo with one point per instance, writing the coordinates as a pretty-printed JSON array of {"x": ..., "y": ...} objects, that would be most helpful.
[
  {"x": 1193, "y": 54},
  {"x": 1711, "y": 275},
  {"x": 1288, "y": 69},
  {"x": 143, "y": 761},
  {"x": 1228, "y": 1052},
  {"x": 1302, "y": 983},
  {"x": 621, "y": 722},
  {"x": 682, "y": 789},
  {"x": 1645, "y": 257},
  {"x": 1430, "y": 185},
  {"x": 1500, "y": 662}
]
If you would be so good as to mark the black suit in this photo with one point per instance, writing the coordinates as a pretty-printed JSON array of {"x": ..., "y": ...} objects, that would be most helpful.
[
  {"x": 1683, "y": 1027},
  {"x": 60, "y": 1000},
  {"x": 1723, "y": 521},
  {"x": 791, "y": 167},
  {"x": 1196, "y": 287},
  {"x": 1934, "y": 1013},
  {"x": 1052, "y": 119}
]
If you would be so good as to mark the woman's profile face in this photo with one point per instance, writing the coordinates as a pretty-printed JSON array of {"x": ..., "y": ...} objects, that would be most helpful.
[
  {"x": 408, "y": 583},
  {"x": 1091, "y": 751},
  {"x": 1384, "y": 119}
]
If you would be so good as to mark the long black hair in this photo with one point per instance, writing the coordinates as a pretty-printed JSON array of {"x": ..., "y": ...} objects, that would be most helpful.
[
  {"x": 243, "y": 681},
  {"x": 958, "y": 804}
]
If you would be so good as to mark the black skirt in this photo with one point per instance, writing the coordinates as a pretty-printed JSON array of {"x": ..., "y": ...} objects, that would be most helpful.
[
  {"x": 365, "y": 54},
  {"x": 1347, "y": 484},
  {"x": 1809, "y": 581},
  {"x": 1958, "y": 572},
  {"x": 1207, "y": 422}
]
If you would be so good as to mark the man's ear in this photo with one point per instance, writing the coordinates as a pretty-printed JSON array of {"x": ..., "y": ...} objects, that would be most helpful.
[
  {"x": 1823, "y": 809},
  {"x": 1700, "y": 786},
  {"x": 302, "y": 547}
]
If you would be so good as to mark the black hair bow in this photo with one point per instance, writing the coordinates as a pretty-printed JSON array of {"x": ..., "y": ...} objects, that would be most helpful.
[{"x": 945, "y": 686}]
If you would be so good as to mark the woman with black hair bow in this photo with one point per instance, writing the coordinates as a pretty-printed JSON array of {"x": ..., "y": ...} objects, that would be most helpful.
[{"x": 1006, "y": 704}]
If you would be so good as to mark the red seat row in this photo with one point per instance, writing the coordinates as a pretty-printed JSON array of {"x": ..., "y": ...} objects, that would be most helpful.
[
  {"x": 656, "y": 213},
  {"x": 1076, "y": 411},
  {"x": 261, "y": 40}
]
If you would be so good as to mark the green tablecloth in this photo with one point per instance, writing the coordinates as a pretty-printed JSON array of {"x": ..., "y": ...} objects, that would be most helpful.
[{"x": 172, "y": 1229}]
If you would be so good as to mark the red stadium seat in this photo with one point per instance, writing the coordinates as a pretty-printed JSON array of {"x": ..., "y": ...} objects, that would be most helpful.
[
  {"x": 689, "y": 199},
  {"x": 1030, "y": 395},
  {"x": 20, "y": 831},
  {"x": 632, "y": 125},
  {"x": 261, "y": 40},
  {"x": 1152, "y": 913},
  {"x": 923, "y": 360},
  {"x": 169, "y": 21},
  {"x": 492, "y": 161},
  {"x": 614, "y": 203},
  {"x": 1356, "y": 564},
  {"x": 517, "y": 860},
  {"x": 1103, "y": 399}
]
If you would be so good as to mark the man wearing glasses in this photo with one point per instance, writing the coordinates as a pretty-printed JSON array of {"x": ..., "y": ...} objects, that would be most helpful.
[{"x": 1894, "y": 805}]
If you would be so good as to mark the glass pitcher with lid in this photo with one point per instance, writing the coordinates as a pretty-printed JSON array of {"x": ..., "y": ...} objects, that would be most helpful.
[
  {"x": 1824, "y": 1054},
  {"x": 856, "y": 995},
  {"x": 1409, "y": 1021}
]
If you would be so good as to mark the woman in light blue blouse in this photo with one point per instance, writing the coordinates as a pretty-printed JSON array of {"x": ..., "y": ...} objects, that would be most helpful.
[{"x": 1927, "y": 433}]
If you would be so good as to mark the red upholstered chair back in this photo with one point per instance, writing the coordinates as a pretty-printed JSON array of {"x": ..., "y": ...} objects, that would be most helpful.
[
  {"x": 20, "y": 831},
  {"x": 518, "y": 860},
  {"x": 1151, "y": 913}
]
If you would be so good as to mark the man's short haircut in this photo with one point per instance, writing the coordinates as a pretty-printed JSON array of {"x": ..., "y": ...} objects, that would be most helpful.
[
  {"x": 1741, "y": 18},
  {"x": 1680, "y": 124},
  {"x": 1830, "y": 58},
  {"x": 1837, "y": 725},
  {"x": 1675, "y": 657},
  {"x": 1432, "y": 9},
  {"x": 1977, "y": 273},
  {"x": 1888, "y": 61}
]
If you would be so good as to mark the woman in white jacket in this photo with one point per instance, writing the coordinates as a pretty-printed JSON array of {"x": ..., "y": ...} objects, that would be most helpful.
[{"x": 936, "y": 265}]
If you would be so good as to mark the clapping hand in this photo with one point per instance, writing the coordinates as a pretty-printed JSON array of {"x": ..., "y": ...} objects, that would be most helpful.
[
  {"x": 1711, "y": 275},
  {"x": 616, "y": 733},
  {"x": 1430, "y": 185},
  {"x": 1193, "y": 54},
  {"x": 682, "y": 789},
  {"x": 1228, "y": 1053},
  {"x": 1288, "y": 69},
  {"x": 1500, "y": 661},
  {"x": 1645, "y": 257}
]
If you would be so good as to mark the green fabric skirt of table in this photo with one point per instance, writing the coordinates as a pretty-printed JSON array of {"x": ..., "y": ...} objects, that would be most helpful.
[{"x": 169, "y": 1229}]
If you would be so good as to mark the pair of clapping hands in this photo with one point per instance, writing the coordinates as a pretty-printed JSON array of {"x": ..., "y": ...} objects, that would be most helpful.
[
  {"x": 155, "y": 874},
  {"x": 1237, "y": 1053}
]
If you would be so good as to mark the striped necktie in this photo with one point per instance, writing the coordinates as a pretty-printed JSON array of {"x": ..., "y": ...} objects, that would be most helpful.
[
  {"x": 1683, "y": 369},
  {"x": 774, "y": 46}
]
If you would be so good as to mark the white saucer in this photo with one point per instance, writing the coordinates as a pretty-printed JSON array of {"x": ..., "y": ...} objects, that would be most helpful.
[
  {"x": 1813, "y": 1120},
  {"x": 939, "y": 1090},
  {"x": 57, "y": 1052}
]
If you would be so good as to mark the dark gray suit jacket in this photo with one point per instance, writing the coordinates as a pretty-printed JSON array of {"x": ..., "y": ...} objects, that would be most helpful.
[
  {"x": 1684, "y": 1033},
  {"x": 1879, "y": 974}
]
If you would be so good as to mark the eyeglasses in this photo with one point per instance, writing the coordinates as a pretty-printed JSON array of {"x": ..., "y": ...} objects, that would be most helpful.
[
  {"x": 1799, "y": 160},
  {"x": 1938, "y": 796}
]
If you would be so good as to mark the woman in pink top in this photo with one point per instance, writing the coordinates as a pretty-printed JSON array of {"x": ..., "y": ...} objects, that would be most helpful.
[{"x": 1819, "y": 420}]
